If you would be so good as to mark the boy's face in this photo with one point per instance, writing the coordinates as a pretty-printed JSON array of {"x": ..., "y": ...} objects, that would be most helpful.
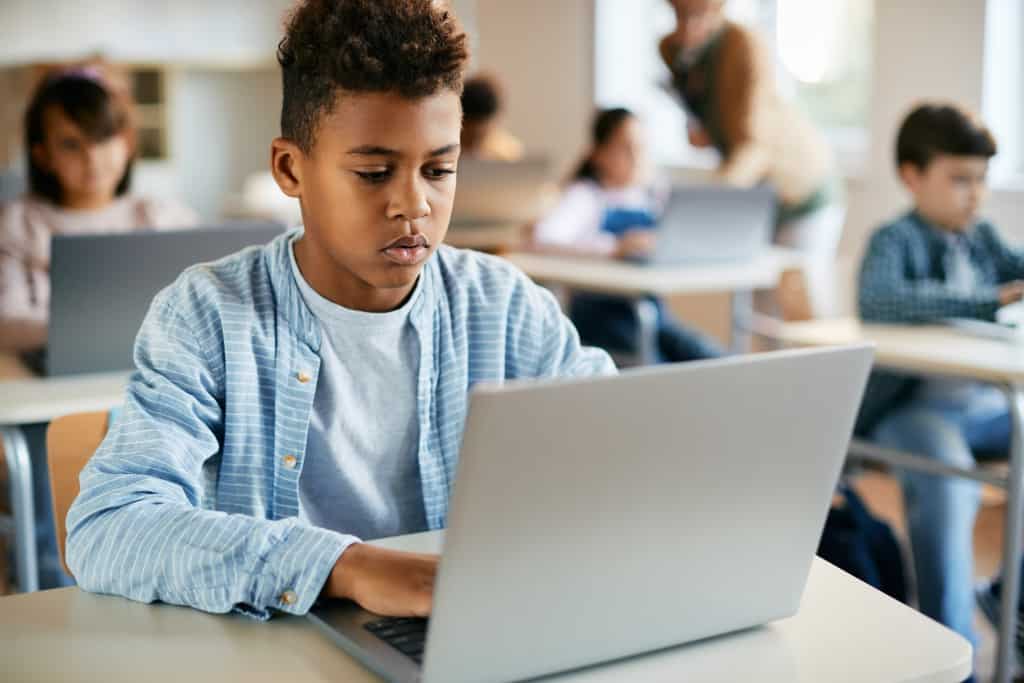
[
  {"x": 949, "y": 190},
  {"x": 376, "y": 193}
]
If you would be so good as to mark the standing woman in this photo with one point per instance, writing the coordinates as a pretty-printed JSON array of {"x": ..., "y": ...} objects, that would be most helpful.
[{"x": 725, "y": 79}]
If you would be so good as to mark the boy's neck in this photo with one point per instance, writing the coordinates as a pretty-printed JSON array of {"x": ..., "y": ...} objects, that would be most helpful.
[
  {"x": 341, "y": 287},
  {"x": 941, "y": 225}
]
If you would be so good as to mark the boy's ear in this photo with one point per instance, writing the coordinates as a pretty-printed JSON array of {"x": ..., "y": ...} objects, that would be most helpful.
[
  {"x": 910, "y": 174},
  {"x": 285, "y": 156}
]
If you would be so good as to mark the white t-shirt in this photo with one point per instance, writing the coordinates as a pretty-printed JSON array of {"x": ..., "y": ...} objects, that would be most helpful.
[{"x": 361, "y": 473}]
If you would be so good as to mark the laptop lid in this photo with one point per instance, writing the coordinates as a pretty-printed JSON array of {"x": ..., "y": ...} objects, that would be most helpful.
[
  {"x": 602, "y": 518},
  {"x": 101, "y": 287},
  {"x": 709, "y": 224},
  {"x": 495, "y": 192}
]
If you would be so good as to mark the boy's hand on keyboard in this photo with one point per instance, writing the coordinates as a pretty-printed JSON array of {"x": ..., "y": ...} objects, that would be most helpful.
[
  {"x": 1011, "y": 292},
  {"x": 386, "y": 582}
]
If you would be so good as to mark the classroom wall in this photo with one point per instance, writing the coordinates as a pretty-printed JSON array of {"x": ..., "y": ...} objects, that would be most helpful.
[
  {"x": 226, "y": 85},
  {"x": 543, "y": 52},
  {"x": 153, "y": 30},
  {"x": 924, "y": 48}
]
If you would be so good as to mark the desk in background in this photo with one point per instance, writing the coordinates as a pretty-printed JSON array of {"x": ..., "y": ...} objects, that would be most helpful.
[
  {"x": 845, "y": 632},
  {"x": 638, "y": 282},
  {"x": 27, "y": 401},
  {"x": 946, "y": 352}
]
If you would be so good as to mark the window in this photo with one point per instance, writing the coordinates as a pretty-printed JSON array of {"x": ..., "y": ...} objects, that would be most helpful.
[
  {"x": 823, "y": 51},
  {"x": 1003, "y": 90}
]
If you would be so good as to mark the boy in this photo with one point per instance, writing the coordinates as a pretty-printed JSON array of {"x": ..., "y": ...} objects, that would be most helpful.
[
  {"x": 294, "y": 399},
  {"x": 940, "y": 261},
  {"x": 483, "y": 136}
]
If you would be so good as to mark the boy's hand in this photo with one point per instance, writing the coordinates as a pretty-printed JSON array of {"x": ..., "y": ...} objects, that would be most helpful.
[
  {"x": 390, "y": 583},
  {"x": 1011, "y": 292},
  {"x": 635, "y": 243}
]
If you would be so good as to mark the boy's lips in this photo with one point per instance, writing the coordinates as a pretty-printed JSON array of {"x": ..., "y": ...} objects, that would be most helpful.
[{"x": 408, "y": 250}]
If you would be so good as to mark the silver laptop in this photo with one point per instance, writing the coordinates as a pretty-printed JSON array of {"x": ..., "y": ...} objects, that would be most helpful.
[
  {"x": 596, "y": 519},
  {"x": 711, "y": 224},
  {"x": 493, "y": 192},
  {"x": 101, "y": 287}
]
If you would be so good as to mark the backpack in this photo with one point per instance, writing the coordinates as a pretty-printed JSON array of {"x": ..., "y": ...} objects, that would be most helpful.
[{"x": 864, "y": 546}]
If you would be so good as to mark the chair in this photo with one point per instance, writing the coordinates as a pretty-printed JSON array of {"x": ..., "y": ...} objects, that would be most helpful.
[{"x": 70, "y": 442}]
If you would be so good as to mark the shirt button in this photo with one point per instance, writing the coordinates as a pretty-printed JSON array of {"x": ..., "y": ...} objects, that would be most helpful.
[
  {"x": 289, "y": 597},
  {"x": 303, "y": 376},
  {"x": 289, "y": 461}
]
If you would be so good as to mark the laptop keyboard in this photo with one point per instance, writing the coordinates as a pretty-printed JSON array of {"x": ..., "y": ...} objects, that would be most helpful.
[{"x": 408, "y": 635}]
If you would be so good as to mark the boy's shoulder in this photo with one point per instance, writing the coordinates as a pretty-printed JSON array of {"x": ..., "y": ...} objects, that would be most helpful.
[
  {"x": 903, "y": 224},
  {"x": 238, "y": 279},
  {"x": 466, "y": 270},
  {"x": 482, "y": 281},
  {"x": 903, "y": 230}
]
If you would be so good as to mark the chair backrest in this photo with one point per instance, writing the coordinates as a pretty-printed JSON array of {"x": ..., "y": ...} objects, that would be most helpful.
[{"x": 70, "y": 442}]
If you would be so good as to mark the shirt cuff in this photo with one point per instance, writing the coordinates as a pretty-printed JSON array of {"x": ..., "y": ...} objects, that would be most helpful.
[{"x": 295, "y": 571}]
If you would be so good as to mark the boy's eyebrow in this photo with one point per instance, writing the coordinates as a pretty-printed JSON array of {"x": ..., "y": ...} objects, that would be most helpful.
[{"x": 377, "y": 151}]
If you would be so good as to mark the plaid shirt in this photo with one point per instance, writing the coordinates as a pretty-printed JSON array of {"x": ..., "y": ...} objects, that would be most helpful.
[
  {"x": 193, "y": 496},
  {"x": 904, "y": 279}
]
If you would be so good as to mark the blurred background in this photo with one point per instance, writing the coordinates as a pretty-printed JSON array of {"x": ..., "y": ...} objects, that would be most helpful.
[{"x": 208, "y": 93}]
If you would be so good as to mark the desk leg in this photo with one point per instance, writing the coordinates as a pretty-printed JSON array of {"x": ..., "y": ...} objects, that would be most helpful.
[
  {"x": 646, "y": 312},
  {"x": 742, "y": 320},
  {"x": 19, "y": 469},
  {"x": 1012, "y": 541}
]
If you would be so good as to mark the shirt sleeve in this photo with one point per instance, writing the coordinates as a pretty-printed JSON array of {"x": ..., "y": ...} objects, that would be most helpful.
[
  {"x": 544, "y": 342},
  {"x": 575, "y": 222},
  {"x": 1009, "y": 260},
  {"x": 137, "y": 528},
  {"x": 887, "y": 294}
]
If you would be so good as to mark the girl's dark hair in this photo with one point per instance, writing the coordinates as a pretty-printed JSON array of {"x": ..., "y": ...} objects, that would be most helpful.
[
  {"x": 606, "y": 122},
  {"x": 98, "y": 112}
]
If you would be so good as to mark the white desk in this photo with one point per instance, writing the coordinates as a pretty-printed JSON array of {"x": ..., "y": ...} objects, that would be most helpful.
[
  {"x": 636, "y": 282},
  {"x": 845, "y": 632},
  {"x": 947, "y": 352},
  {"x": 27, "y": 401}
]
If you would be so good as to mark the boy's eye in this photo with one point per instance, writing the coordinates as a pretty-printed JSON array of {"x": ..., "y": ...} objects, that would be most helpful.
[
  {"x": 374, "y": 176},
  {"x": 439, "y": 173},
  {"x": 68, "y": 145}
]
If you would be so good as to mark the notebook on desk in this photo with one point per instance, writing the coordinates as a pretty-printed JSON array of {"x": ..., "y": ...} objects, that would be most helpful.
[{"x": 101, "y": 287}]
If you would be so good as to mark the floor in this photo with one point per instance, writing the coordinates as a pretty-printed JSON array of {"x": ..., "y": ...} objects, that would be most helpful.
[{"x": 883, "y": 497}]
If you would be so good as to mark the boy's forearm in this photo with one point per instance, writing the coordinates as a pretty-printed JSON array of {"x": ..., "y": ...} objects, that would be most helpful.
[
  {"x": 199, "y": 558},
  {"x": 926, "y": 303}
]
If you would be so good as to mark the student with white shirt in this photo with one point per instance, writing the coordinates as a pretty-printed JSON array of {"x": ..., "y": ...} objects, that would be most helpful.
[
  {"x": 609, "y": 210},
  {"x": 80, "y": 146}
]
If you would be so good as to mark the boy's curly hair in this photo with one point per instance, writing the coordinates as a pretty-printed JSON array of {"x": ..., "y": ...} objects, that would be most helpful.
[{"x": 411, "y": 47}]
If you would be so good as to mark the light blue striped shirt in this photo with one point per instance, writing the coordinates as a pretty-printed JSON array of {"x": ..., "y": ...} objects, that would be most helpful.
[{"x": 193, "y": 497}]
